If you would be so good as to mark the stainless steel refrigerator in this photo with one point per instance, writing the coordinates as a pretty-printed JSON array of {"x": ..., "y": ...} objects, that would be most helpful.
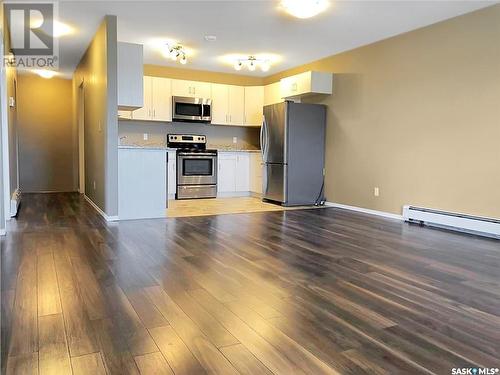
[{"x": 292, "y": 141}]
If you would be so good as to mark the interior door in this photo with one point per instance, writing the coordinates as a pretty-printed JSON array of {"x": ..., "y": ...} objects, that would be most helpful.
[{"x": 274, "y": 133}]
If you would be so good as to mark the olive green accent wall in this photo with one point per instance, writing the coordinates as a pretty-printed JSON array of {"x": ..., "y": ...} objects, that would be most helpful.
[{"x": 202, "y": 75}]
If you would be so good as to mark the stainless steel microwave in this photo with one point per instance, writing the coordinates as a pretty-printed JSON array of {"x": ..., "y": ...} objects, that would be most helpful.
[{"x": 191, "y": 109}]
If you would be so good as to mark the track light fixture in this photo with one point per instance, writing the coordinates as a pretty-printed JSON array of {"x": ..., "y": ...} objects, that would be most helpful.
[
  {"x": 251, "y": 63},
  {"x": 176, "y": 53}
]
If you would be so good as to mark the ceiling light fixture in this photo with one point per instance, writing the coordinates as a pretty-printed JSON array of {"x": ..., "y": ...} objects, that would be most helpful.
[
  {"x": 44, "y": 73},
  {"x": 304, "y": 8},
  {"x": 210, "y": 38},
  {"x": 251, "y": 63},
  {"x": 58, "y": 28},
  {"x": 176, "y": 52}
]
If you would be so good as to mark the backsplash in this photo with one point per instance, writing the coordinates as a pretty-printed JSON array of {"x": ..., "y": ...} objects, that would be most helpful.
[{"x": 220, "y": 137}]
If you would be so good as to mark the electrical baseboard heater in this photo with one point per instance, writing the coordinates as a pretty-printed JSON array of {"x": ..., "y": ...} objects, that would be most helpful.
[{"x": 453, "y": 221}]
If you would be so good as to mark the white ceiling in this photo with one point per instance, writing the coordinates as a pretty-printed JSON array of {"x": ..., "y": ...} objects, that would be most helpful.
[{"x": 249, "y": 27}]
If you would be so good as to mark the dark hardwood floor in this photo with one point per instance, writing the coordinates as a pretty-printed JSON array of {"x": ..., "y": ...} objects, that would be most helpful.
[{"x": 296, "y": 292}]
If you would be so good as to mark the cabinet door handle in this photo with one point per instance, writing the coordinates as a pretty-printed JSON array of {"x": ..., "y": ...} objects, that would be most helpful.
[{"x": 154, "y": 113}]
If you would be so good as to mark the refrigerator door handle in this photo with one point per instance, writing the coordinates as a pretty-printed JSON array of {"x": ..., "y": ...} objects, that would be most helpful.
[
  {"x": 262, "y": 137},
  {"x": 265, "y": 139}
]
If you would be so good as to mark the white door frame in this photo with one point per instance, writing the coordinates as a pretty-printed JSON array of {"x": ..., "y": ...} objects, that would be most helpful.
[{"x": 81, "y": 138}]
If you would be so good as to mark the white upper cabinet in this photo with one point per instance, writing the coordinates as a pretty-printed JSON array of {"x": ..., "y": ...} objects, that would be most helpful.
[
  {"x": 236, "y": 105},
  {"x": 157, "y": 100},
  {"x": 161, "y": 99},
  {"x": 228, "y": 104},
  {"x": 145, "y": 113},
  {"x": 272, "y": 93},
  {"x": 254, "y": 101},
  {"x": 130, "y": 75},
  {"x": 220, "y": 104},
  {"x": 306, "y": 83},
  {"x": 191, "y": 89}
]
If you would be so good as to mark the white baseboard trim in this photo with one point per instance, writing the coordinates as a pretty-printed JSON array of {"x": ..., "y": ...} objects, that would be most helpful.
[
  {"x": 101, "y": 212},
  {"x": 14, "y": 202},
  {"x": 3, "y": 232},
  {"x": 365, "y": 210},
  {"x": 231, "y": 194}
]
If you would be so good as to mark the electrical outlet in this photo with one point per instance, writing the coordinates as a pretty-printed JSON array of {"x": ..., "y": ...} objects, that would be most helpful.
[
  {"x": 235, "y": 139},
  {"x": 376, "y": 191},
  {"x": 145, "y": 136}
]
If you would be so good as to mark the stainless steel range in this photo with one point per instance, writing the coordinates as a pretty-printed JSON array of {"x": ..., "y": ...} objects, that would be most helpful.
[{"x": 196, "y": 166}]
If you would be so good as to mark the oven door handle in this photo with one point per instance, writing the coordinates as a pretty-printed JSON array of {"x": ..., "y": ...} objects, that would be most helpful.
[{"x": 198, "y": 156}]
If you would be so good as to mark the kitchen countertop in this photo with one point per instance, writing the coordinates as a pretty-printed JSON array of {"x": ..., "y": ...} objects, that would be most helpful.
[{"x": 162, "y": 147}]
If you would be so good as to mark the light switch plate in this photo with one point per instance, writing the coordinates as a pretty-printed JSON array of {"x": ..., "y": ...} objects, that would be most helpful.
[
  {"x": 235, "y": 139},
  {"x": 145, "y": 136}
]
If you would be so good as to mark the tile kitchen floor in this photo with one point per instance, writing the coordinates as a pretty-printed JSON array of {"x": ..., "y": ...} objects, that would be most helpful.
[{"x": 221, "y": 206}]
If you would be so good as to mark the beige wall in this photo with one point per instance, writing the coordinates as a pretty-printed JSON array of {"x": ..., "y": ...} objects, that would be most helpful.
[
  {"x": 201, "y": 75},
  {"x": 97, "y": 71},
  {"x": 417, "y": 115},
  {"x": 45, "y": 128}
]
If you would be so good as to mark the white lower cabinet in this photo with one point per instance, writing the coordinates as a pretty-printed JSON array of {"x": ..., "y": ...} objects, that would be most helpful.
[
  {"x": 233, "y": 175},
  {"x": 142, "y": 183},
  {"x": 242, "y": 172},
  {"x": 226, "y": 173},
  {"x": 256, "y": 170},
  {"x": 172, "y": 174}
]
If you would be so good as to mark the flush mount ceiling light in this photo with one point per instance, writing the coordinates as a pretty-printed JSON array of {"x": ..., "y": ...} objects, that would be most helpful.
[
  {"x": 304, "y": 8},
  {"x": 252, "y": 62},
  {"x": 44, "y": 73},
  {"x": 59, "y": 28},
  {"x": 210, "y": 38},
  {"x": 176, "y": 53}
]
